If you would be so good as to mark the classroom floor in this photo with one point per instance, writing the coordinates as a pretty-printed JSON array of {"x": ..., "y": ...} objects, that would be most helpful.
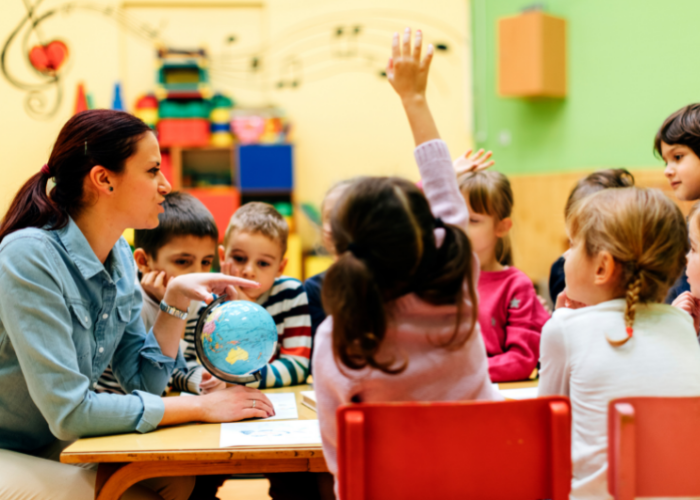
[{"x": 244, "y": 489}]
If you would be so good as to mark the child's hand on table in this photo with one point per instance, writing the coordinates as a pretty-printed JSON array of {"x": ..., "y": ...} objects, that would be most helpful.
[
  {"x": 688, "y": 303},
  {"x": 473, "y": 162},
  {"x": 233, "y": 404},
  {"x": 210, "y": 383}
]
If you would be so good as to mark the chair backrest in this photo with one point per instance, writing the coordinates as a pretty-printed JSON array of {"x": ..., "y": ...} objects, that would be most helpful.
[
  {"x": 497, "y": 450},
  {"x": 653, "y": 447}
]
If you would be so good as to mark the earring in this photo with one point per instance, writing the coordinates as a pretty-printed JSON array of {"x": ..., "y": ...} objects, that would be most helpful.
[{"x": 111, "y": 188}]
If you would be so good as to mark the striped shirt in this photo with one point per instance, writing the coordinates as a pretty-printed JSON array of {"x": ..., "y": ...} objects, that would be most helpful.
[{"x": 288, "y": 305}]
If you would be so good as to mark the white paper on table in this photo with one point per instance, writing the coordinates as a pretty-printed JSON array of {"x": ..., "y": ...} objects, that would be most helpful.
[
  {"x": 522, "y": 393},
  {"x": 293, "y": 432},
  {"x": 285, "y": 405}
]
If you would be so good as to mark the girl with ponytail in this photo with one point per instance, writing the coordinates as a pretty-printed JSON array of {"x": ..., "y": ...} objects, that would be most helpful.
[
  {"x": 401, "y": 297},
  {"x": 69, "y": 306},
  {"x": 628, "y": 247},
  {"x": 511, "y": 315}
]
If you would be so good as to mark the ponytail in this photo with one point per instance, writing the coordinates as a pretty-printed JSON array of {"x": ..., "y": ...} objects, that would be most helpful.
[
  {"x": 32, "y": 207},
  {"x": 96, "y": 137},
  {"x": 383, "y": 231}
]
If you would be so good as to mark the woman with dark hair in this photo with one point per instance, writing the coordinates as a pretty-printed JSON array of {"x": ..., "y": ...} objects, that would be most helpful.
[{"x": 69, "y": 306}]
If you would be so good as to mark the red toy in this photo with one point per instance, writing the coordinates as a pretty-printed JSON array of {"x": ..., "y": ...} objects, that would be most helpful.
[
  {"x": 48, "y": 58},
  {"x": 653, "y": 447},
  {"x": 496, "y": 450},
  {"x": 183, "y": 132},
  {"x": 81, "y": 103}
]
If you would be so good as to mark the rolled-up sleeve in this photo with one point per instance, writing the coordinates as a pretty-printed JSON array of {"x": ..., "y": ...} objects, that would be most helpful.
[
  {"x": 139, "y": 363},
  {"x": 38, "y": 322}
]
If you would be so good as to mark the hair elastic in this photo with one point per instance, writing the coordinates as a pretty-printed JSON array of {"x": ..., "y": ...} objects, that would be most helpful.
[
  {"x": 45, "y": 169},
  {"x": 439, "y": 223}
]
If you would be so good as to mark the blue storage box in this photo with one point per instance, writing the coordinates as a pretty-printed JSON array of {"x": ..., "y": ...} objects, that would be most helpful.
[{"x": 264, "y": 168}]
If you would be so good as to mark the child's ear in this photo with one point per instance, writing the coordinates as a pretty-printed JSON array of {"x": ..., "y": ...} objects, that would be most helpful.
[
  {"x": 283, "y": 264},
  {"x": 503, "y": 227},
  {"x": 141, "y": 258},
  {"x": 222, "y": 254},
  {"x": 607, "y": 269}
]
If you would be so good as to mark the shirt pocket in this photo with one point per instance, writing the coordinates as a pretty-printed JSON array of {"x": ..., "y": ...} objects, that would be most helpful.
[{"x": 83, "y": 335}]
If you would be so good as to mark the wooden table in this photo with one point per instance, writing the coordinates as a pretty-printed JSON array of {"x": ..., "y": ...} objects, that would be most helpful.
[
  {"x": 191, "y": 450},
  {"x": 185, "y": 450}
]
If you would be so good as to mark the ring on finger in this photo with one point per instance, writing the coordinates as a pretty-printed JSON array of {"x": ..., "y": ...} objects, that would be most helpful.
[{"x": 254, "y": 401}]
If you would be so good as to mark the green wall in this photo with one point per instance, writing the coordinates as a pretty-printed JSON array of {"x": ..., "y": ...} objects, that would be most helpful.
[{"x": 630, "y": 64}]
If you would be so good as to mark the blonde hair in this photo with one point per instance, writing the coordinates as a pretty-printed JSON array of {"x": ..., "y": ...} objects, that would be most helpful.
[
  {"x": 489, "y": 192},
  {"x": 258, "y": 217},
  {"x": 645, "y": 233}
]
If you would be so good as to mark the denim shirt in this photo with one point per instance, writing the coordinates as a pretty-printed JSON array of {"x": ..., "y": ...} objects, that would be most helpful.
[{"x": 63, "y": 317}]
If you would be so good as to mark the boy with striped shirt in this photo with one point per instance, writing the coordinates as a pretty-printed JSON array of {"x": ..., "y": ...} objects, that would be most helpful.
[{"x": 254, "y": 246}]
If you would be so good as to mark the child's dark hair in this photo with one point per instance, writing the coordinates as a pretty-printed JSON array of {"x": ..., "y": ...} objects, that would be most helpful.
[
  {"x": 184, "y": 215},
  {"x": 488, "y": 192},
  {"x": 682, "y": 127},
  {"x": 597, "y": 181},
  {"x": 383, "y": 231}
]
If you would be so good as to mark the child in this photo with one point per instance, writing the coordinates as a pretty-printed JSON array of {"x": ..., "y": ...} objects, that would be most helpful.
[
  {"x": 184, "y": 242},
  {"x": 688, "y": 301},
  {"x": 678, "y": 144},
  {"x": 511, "y": 316},
  {"x": 602, "y": 179},
  {"x": 627, "y": 247},
  {"x": 401, "y": 296},
  {"x": 254, "y": 246}
]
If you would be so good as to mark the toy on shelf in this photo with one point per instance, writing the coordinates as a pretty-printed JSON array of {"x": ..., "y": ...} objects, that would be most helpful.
[
  {"x": 147, "y": 110},
  {"x": 185, "y": 133},
  {"x": 220, "y": 117},
  {"x": 268, "y": 126},
  {"x": 182, "y": 74},
  {"x": 81, "y": 103},
  {"x": 117, "y": 102}
]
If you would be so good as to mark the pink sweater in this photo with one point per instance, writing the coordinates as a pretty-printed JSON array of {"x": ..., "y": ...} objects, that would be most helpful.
[
  {"x": 433, "y": 373},
  {"x": 511, "y": 319}
]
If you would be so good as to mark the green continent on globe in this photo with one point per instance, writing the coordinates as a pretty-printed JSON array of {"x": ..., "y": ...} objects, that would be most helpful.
[{"x": 237, "y": 354}]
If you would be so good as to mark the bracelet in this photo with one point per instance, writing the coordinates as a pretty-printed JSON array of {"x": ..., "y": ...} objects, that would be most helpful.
[{"x": 173, "y": 311}]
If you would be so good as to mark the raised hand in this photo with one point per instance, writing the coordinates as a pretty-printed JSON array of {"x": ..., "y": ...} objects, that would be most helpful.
[
  {"x": 473, "y": 162},
  {"x": 407, "y": 73}
]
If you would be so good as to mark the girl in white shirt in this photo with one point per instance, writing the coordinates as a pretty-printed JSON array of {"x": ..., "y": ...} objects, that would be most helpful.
[{"x": 627, "y": 248}]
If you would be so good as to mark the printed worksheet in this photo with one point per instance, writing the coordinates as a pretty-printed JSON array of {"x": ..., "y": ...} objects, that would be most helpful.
[
  {"x": 285, "y": 405},
  {"x": 265, "y": 434}
]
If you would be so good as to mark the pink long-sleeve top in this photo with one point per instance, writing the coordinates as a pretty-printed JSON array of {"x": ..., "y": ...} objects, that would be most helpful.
[
  {"x": 511, "y": 320},
  {"x": 433, "y": 373}
]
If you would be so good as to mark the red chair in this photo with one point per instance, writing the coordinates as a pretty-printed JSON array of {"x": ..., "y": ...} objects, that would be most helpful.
[
  {"x": 653, "y": 447},
  {"x": 482, "y": 450}
]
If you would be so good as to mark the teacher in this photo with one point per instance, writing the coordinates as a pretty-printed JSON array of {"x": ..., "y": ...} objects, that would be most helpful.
[{"x": 69, "y": 305}]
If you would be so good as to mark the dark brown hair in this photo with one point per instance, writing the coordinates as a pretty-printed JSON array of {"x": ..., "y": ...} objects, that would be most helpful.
[
  {"x": 383, "y": 231},
  {"x": 682, "y": 127},
  {"x": 488, "y": 192},
  {"x": 183, "y": 215},
  {"x": 597, "y": 181},
  {"x": 95, "y": 137}
]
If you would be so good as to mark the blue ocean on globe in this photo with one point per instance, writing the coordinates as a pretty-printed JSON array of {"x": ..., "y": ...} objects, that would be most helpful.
[{"x": 239, "y": 337}]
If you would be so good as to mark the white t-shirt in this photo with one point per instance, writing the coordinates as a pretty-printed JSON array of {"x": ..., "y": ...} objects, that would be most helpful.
[{"x": 661, "y": 359}]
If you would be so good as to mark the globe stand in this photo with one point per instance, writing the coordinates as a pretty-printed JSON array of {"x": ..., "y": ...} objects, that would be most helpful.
[{"x": 199, "y": 347}]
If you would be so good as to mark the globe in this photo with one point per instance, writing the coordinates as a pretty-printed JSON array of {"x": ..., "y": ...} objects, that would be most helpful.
[{"x": 235, "y": 339}]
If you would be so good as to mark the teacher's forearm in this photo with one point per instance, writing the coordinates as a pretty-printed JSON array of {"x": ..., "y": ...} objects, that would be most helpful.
[
  {"x": 169, "y": 329},
  {"x": 180, "y": 410}
]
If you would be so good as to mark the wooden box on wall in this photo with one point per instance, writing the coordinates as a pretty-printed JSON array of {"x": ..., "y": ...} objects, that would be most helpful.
[{"x": 532, "y": 55}]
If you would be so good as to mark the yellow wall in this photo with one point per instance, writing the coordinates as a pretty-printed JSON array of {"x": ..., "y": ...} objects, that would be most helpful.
[{"x": 345, "y": 124}]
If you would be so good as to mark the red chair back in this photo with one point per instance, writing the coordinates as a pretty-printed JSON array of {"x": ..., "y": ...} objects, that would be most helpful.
[
  {"x": 496, "y": 450},
  {"x": 653, "y": 447}
]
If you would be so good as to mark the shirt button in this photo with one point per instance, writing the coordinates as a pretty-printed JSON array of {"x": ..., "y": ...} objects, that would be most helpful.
[
  {"x": 102, "y": 349},
  {"x": 105, "y": 316},
  {"x": 94, "y": 385},
  {"x": 86, "y": 319}
]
